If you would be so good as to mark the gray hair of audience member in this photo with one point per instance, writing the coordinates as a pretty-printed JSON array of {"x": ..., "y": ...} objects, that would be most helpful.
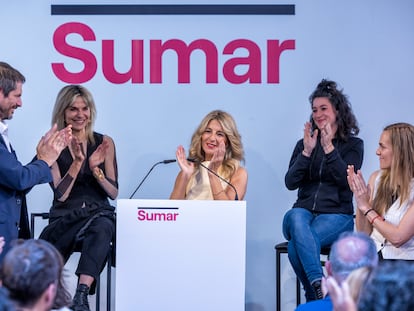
[
  {"x": 29, "y": 268},
  {"x": 352, "y": 250},
  {"x": 390, "y": 287}
]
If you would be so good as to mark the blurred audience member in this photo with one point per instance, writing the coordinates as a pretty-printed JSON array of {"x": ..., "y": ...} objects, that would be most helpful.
[
  {"x": 389, "y": 287},
  {"x": 32, "y": 274},
  {"x": 351, "y": 251}
]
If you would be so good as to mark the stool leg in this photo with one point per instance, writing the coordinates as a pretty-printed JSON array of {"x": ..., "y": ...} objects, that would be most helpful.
[
  {"x": 278, "y": 302},
  {"x": 108, "y": 282},
  {"x": 98, "y": 293},
  {"x": 297, "y": 292}
]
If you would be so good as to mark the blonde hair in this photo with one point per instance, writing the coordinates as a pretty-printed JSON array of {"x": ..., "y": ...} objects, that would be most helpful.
[
  {"x": 356, "y": 280},
  {"x": 395, "y": 181},
  {"x": 234, "y": 148},
  {"x": 65, "y": 98}
]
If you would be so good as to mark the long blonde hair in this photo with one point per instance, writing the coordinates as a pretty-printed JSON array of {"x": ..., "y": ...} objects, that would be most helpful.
[
  {"x": 395, "y": 181},
  {"x": 234, "y": 149}
]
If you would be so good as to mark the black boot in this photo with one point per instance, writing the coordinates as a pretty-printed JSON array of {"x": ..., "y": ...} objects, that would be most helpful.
[
  {"x": 317, "y": 287},
  {"x": 80, "y": 301}
]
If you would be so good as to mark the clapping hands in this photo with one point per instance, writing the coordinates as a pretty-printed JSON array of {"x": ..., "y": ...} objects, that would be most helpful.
[
  {"x": 52, "y": 143},
  {"x": 218, "y": 157},
  {"x": 358, "y": 186},
  {"x": 186, "y": 167},
  {"x": 98, "y": 156},
  {"x": 309, "y": 138}
]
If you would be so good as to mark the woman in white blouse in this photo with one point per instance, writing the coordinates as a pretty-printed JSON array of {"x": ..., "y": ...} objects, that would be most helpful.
[{"x": 385, "y": 205}]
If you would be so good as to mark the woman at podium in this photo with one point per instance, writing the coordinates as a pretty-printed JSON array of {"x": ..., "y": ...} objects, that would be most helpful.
[{"x": 212, "y": 170}]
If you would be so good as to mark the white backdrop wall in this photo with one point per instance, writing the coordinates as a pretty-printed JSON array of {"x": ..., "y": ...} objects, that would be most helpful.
[{"x": 366, "y": 46}]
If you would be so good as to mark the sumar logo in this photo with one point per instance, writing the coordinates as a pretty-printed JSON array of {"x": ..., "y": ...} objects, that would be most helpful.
[
  {"x": 241, "y": 60},
  {"x": 158, "y": 213}
]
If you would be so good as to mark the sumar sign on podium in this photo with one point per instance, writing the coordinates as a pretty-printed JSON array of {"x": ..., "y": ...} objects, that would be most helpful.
[{"x": 180, "y": 255}]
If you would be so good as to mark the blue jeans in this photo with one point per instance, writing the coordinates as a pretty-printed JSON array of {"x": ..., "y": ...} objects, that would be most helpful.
[{"x": 306, "y": 233}]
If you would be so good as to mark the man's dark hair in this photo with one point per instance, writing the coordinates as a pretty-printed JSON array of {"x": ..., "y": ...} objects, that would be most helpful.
[
  {"x": 28, "y": 269},
  {"x": 9, "y": 77}
]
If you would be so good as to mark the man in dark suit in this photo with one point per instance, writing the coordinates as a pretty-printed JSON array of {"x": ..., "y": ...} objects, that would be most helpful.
[{"x": 17, "y": 179}]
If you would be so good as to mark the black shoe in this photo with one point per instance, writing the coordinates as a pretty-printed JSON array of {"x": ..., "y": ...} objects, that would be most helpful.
[
  {"x": 80, "y": 301},
  {"x": 317, "y": 288}
]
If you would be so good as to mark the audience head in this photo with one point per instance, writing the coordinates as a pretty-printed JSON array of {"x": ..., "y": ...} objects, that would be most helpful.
[
  {"x": 346, "y": 122},
  {"x": 396, "y": 156},
  {"x": 232, "y": 138},
  {"x": 352, "y": 250},
  {"x": 32, "y": 273},
  {"x": 390, "y": 287},
  {"x": 64, "y": 101}
]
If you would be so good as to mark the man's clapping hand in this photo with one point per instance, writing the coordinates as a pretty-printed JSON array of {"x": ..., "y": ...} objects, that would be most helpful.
[{"x": 52, "y": 143}]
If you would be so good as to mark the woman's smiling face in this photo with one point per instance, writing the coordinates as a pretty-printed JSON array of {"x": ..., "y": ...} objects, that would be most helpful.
[
  {"x": 323, "y": 113},
  {"x": 384, "y": 151},
  {"x": 211, "y": 138},
  {"x": 78, "y": 114}
]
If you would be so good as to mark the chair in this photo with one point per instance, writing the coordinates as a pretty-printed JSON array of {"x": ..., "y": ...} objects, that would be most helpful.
[
  {"x": 33, "y": 217},
  {"x": 282, "y": 248}
]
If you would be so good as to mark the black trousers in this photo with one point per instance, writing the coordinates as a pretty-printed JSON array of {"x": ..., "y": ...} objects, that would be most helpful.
[
  {"x": 89, "y": 231},
  {"x": 95, "y": 246}
]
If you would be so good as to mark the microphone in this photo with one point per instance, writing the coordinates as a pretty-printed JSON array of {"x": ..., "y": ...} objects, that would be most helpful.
[
  {"x": 145, "y": 177},
  {"x": 215, "y": 174}
]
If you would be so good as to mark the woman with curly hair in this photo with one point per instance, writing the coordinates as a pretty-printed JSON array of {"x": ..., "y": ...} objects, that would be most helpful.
[
  {"x": 216, "y": 144},
  {"x": 317, "y": 168}
]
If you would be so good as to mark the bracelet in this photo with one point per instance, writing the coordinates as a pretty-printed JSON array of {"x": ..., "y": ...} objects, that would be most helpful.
[
  {"x": 369, "y": 210},
  {"x": 373, "y": 219},
  {"x": 98, "y": 174},
  {"x": 216, "y": 194}
]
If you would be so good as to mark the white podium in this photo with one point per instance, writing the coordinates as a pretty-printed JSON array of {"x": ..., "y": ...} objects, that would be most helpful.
[{"x": 180, "y": 255}]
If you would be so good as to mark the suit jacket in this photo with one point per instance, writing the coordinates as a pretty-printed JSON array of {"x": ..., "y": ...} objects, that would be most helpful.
[
  {"x": 15, "y": 181},
  {"x": 324, "y": 304}
]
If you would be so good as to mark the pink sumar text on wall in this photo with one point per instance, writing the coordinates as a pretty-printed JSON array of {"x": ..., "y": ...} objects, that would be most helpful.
[{"x": 135, "y": 75}]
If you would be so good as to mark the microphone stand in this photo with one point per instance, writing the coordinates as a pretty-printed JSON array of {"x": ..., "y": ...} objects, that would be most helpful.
[{"x": 145, "y": 177}]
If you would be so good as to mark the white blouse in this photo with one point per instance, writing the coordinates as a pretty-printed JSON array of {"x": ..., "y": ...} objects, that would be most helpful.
[
  {"x": 394, "y": 215},
  {"x": 198, "y": 188}
]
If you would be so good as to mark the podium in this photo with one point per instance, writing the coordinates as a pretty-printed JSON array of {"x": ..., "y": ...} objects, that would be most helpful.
[{"x": 180, "y": 255}]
